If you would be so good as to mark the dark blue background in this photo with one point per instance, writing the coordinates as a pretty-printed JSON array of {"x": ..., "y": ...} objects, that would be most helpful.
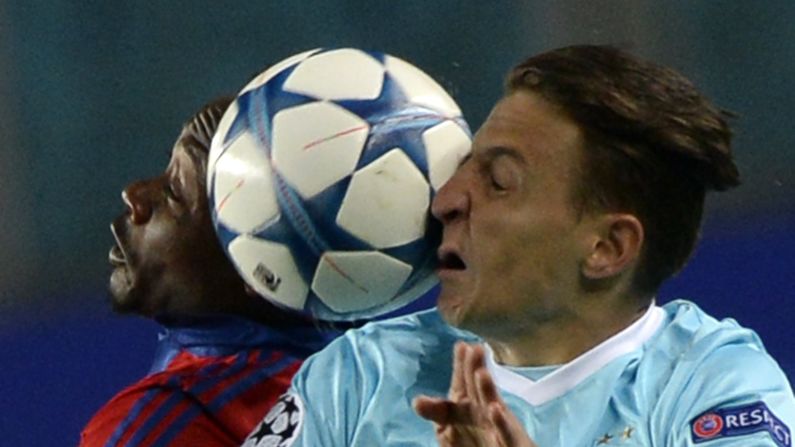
[{"x": 93, "y": 93}]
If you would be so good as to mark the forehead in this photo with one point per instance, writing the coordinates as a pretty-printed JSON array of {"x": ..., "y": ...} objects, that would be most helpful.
[
  {"x": 188, "y": 149},
  {"x": 530, "y": 125}
]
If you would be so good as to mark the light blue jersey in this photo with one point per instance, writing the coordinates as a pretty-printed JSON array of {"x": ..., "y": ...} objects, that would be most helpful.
[{"x": 676, "y": 377}]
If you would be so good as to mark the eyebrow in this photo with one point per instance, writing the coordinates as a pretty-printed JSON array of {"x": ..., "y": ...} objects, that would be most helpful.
[{"x": 494, "y": 152}]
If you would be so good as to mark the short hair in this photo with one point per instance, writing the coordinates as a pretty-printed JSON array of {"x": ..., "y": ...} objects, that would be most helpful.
[
  {"x": 653, "y": 145},
  {"x": 198, "y": 131}
]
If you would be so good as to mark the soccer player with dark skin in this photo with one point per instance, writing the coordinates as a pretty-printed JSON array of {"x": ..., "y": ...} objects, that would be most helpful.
[
  {"x": 225, "y": 353},
  {"x": 166, "y": 260}
]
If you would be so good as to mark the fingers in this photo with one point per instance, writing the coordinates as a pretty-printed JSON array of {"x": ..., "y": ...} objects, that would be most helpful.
[
  {"x": 468, "y": 402},
  {"x": 501, "y": 423},
  {"x": 443, "y": 411},
  {"x": 467, "y": 359},
  {"x": 487, "y": 389},
  {"x": 458, "y": 382},
  {"x": 510, "y": 431},
  {"x": 474, "y": 413},
  {"x": 433, "y": 409},
  {"x": 473, "y": 361}
]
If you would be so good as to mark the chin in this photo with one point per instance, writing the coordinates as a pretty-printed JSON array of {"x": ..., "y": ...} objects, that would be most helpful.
[
  {"x": 450, "y": 308},
  {"x": 121, "y": 305},
  {"x": 123, "y": 300},
  {"x": 462, "y": 314}
]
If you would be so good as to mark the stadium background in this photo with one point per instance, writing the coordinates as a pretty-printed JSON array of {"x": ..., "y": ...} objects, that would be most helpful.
[{"x": 93, "y": 93}]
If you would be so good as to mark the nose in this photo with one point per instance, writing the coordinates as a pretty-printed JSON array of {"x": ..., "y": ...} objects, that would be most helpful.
[
  {"x": 452, "y": 201},
  {"x": 138, "y": 199}
]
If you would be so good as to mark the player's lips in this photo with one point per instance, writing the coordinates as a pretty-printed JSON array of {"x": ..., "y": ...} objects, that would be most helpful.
[
  {"x": 117, "y": 257},
  {"x": 450, "y": 261}
]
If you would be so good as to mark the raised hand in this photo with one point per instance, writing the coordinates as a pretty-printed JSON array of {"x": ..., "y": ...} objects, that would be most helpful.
[{"x": 474, "y": 414}]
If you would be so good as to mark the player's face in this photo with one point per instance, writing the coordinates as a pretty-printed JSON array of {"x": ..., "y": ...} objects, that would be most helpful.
[
  {"x": 512, "y": 238},
  {"x": 166, "y": 258}
]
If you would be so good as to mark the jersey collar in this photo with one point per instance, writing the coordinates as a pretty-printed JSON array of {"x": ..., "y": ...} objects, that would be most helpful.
[
  {"x": 223, "y": 335},
  {"x": 571, "y": 374}
]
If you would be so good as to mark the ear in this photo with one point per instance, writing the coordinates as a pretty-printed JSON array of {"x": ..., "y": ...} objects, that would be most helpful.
[{"x": 616, "y": 246}]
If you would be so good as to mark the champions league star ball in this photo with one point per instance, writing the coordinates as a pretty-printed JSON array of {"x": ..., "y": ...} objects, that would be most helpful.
[{"x": 320, "y": 179}]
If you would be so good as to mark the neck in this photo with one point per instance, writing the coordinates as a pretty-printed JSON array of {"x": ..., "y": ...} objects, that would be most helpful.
[
  {"x": 560, "y": 340},
  {"x": 237, "y": 302}
]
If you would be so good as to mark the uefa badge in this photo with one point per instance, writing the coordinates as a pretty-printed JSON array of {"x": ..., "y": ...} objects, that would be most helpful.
[
  {"x": 281, "y": 425},
  {"x": 707, "y": 426}
]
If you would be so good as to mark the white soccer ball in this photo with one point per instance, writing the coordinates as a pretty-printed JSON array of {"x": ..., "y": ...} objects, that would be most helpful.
[{"x": 320, "y": 179}]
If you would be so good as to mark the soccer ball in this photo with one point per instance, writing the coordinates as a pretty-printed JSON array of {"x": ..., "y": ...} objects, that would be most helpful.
[{"x": 320, "y": 179}]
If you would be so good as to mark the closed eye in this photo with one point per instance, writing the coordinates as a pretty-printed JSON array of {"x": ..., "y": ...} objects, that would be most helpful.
[
  {"x": 503, "y": 171},
  {"x": 170, "y": 193},
  {"x": 496, "y": 185}
]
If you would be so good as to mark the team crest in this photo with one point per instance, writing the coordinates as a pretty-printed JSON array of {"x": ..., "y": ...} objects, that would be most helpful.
[{"x": 281, "y": 425}]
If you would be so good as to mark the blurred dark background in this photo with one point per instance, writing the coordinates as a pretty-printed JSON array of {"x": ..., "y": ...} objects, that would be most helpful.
[{"x": 93, "y": 93}]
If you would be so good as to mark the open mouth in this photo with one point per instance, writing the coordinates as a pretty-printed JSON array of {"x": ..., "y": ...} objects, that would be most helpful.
[
  {"x": 116, "y": 256},
  {"x": 450, "y": 260}
]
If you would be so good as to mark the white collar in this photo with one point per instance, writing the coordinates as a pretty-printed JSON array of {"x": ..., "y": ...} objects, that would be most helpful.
[{"x": 574, "y": 372}]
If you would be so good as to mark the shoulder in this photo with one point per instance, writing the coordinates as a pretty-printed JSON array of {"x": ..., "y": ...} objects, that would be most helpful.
[
  {"x": 690, "y": 335},
  {"x": 427, "y": 325},
  {"x": 405, "y": 352},
  {"x": 123, "y": 415},
  {"x": 194, "y": 396},
  {"x": 696, "y": 347},
  {"x": 404, "y": 337},
  {"x": 365, "y": 377},
  {"x": 715, "y": 366}
]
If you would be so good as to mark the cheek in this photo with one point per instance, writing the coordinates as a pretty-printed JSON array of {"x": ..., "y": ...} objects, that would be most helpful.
[
  {"x": 169, "y": 245},
  {"x": 520, "y": 253},
  {"x": 201, "y": 254}
]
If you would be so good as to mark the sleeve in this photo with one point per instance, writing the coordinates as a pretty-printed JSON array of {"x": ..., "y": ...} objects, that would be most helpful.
[
  {"x": 151, "y": 415},
  {"x": 323, "y": 404},
  {"x": 735, "y": 396}
]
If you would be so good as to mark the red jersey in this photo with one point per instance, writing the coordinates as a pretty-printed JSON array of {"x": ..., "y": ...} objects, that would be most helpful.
[{"x": 211, "y": 383}]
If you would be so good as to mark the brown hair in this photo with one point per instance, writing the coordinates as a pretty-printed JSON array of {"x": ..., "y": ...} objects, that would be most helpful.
[{"x": 653, "y": 145}]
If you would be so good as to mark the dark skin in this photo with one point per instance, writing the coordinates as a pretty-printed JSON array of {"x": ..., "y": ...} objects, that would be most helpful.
[{"x": 168, "y": 263}]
